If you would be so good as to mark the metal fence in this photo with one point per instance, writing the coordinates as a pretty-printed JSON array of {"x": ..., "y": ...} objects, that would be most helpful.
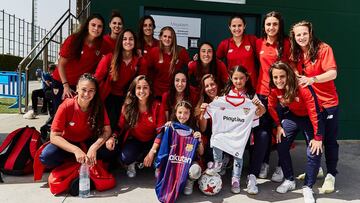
[{"x": 15, "y": 37}]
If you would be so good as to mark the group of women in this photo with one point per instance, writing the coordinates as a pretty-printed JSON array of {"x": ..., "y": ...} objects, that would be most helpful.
[{"x": 138, "y": 81}]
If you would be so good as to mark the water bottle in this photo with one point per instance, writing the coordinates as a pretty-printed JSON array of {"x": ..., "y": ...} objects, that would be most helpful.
[{"x": 84, "y": 181}]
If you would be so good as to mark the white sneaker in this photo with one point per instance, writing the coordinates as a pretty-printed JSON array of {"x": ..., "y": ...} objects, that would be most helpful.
[
  {"x": 29, "y": 115},
  {"x": 286, "y": 186},
  {"x": 329, "y": 184},
  {"x": 264, "y": 170},
  {"x": 235, "y": 185},
  {"x": 131, "y": 171},
  {"x": 308, "y": 195},
  {"x": 188, "y": 190},
  {"x": 251, "y": 185},
  {"x": 320, "y": 173},
  {"x": 216, "y": 168},
  {"x": 278, "y": 175}
]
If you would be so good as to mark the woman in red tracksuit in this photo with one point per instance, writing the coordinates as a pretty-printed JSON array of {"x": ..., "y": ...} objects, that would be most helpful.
[
  {"x": 315, "y": 62},
  {"x": 79, "y": 54},
  {"x": 239, "y": 49},
  {"x": 117, "y": 70},
  {"x": 302, "y": 112},
  {"x": 165, "y": 60}
]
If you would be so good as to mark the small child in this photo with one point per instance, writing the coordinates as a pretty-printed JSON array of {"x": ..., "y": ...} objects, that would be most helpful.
[
  {"x": 237, "y": 90},
  {"x": 181, "y": 122}
]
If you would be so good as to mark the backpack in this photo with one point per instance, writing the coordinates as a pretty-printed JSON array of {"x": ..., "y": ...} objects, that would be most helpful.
[{"x": 18, "y": 150}]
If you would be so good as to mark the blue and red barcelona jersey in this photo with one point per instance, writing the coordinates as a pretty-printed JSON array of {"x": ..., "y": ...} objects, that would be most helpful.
[{"x": 176, "y": 153}]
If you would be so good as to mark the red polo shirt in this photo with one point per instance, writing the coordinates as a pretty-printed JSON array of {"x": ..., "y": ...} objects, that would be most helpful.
[
  {"x": 160, "y": 69},
  {"x": 72, "y": 122},
  {"x": 147, "y": 47},
  {"x": 110, "y": 42},
  {"x": 221, "y": 76},
  {"x": 145, "y": 128},
  {"x": 90, "y": 56},
  {"x": 325, "y": 61},
  {"x": 267, "y": 55},
  {"x": 137, "y": 66},
  {"x": 304, "y": 104},
  {"x": 243, "y": 55}
]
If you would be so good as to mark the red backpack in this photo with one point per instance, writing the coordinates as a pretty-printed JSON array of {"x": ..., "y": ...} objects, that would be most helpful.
[{"x": 18, "y": 150}]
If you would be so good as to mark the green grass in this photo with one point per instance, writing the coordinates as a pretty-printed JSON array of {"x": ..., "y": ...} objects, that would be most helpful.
[{"x": 4, "y": 105}]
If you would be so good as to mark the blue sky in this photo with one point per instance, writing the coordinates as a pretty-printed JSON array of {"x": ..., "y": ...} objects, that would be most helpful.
[{"x": 49, "y": 11}]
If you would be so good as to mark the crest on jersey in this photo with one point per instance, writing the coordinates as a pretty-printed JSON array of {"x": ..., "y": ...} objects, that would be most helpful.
[
  {"x": 150, "y": 119},
  {"x": 247, "y": 47},
  {"x": 297, "y": 99},
  {"x": 230, "y": 50},
  {"x": 97, "y": 52},
  {"x": 261, "y": 52},
  {"x": 246, "y": 111},
  {"x": 189, "y": 147}
]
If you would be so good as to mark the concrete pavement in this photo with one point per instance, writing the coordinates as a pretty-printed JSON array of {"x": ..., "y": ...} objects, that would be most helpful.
[{"x": 141, "y": 189}]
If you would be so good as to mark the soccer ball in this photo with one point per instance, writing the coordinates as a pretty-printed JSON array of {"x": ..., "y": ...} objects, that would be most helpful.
[{"x": 210, "y": 184}]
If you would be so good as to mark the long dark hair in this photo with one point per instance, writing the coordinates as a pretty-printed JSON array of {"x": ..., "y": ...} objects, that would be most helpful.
[
  {"x": 187, "y": 105},
  {"x": 80, "y": 36},
  {"x": 141, "y": 40},
  {"x": 96, "y": 113},
  {"x": 172, "y": 92},
  {"x": 291, "y": 81},
  {"x": 199, "y": 73},
  {"x": 116, "y": 14},
  {"x": 118, "y": 54},
  {"x": 313, "y": 43},
  {"x": 204, "y": 98},
  {"x": 236, "y": 16},
  {"x": 131, "y": 104},
  {"x": 281, "y": 32},
  {"x": 250, "y": 91}
]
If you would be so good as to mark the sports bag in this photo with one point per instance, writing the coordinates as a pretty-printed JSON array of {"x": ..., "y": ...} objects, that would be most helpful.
[{"x": 18, "y": 150}]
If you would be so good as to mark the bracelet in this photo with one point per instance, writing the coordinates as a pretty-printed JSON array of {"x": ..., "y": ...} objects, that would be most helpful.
[{"x": 65, "y": 83}]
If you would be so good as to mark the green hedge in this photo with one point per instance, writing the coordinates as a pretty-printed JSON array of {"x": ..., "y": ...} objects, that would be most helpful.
[{"x": 10, "y": 63}]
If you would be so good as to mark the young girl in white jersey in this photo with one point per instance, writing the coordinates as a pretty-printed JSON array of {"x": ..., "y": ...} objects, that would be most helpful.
[{"x": 239, "y": 84}]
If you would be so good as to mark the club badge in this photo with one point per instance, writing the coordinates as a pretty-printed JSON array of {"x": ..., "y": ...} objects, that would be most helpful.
[
  {"x": 247, "y": 47},
  {"x": 246, "y": 111},
  {"x": 189, "y": 147}
]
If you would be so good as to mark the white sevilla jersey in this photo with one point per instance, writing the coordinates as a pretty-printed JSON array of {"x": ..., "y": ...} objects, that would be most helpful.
[{"x": 232, "y": 121}]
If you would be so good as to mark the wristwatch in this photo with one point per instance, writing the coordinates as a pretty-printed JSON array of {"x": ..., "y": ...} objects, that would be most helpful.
[{"x": 315, "y": 79}]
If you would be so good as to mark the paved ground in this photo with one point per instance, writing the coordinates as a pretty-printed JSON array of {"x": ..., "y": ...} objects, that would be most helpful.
[{"x": 141, "y": 188}]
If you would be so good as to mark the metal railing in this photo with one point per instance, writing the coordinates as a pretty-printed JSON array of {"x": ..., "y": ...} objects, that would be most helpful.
[
  {"x": 42, "y": 45},
  {"x": 15, "y": 37}
]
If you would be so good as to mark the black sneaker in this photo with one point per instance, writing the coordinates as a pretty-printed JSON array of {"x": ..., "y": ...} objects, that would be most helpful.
[
  {"x": 1, "y": 179},
  {"x": 74, "y": 187}
]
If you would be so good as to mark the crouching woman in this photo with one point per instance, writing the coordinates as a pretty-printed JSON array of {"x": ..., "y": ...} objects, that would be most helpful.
[{"x": 80, "y": 128}]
